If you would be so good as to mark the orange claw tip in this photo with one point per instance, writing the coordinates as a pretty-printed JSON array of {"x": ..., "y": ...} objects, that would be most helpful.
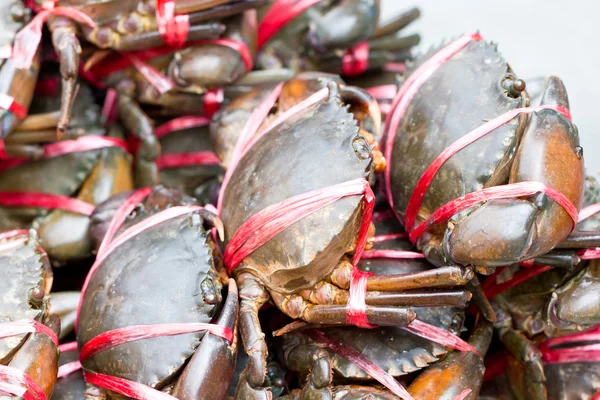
[
  {"x": 220, "y": 228},
  {"x": 291, "y": 327}
]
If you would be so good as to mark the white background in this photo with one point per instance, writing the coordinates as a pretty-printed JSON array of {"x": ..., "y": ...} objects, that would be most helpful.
[{"x": 537, "y": 38}]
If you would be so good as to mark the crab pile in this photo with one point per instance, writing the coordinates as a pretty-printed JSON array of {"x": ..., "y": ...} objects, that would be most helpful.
[{"x": 285, "y": 199}]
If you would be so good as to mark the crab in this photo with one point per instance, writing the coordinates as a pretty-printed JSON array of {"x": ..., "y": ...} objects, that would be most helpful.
[
  {"x": 121, "y": 293},
  {"x": 472, "y": 86},
  {"x": 308, "y": 278},
  {"x": 25, "y": 285}
]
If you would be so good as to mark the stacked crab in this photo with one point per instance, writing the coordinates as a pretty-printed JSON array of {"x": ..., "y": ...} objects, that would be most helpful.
[{"x": 257, "y": 199}]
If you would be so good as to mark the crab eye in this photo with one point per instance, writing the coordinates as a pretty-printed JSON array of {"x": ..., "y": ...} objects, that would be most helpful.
[
  {"x": 209, "y": 292},
  {"x": 36, "y": 295},
  {"x": 361, "y": 147}
]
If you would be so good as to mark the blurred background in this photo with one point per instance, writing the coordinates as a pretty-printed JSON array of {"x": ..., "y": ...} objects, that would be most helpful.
[{"x": 537, "y": 38}]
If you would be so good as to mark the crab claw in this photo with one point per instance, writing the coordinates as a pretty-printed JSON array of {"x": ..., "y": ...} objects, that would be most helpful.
[
  {"x": 211, "y": 369},
  {"x": 506, "y": 231},
  {"x": 67, "y": 46},
  {"x": 213, "y": 222},
  {"x": 348, "y": 22}
]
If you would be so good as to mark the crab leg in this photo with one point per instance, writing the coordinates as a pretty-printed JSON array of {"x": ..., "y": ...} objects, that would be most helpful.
[
  {"x": 319, "y": 379},
  {"x": 437, "y": 277},
  {"x": 253, "y": 295},
  {"x": 397, "y": 23},
  {"x": 40, "y": 121},
  {"x": 66, "y": 44},
  {"x": 326, "y": 293},
  {"x": 580, "y": 240},
  {"x": 142, "y": 41},
  {"x": 212, "y": 367},
  {"x": 38, "y": 357},
  {"x": 225, "y": 10},
  {"x": 505, "y": 231},
  {"x": 139, "y": 124},
  {"x": 188, "y": 6},
  {"x": 526, "y": 352}
]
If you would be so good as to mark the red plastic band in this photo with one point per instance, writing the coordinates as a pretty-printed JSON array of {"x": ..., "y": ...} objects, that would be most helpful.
[
  {"x": 47, "y": 201},
  {"x": 3, "y": 155},
  {"x": 366, "y": 365},
  {"x": 356, "y": 60},
  {"x": 152, "y": 75},
  {"x": 527, "y": 263},
  {"x": 439, "y": 335},
  {"x": 589, "y": 254},
  {"x": 47, "y": 86},
  {"x": 425, "y": 180},
  {"x": 22, "y": 385},
  {"x": 8, "y": 329},
  {"x": 212, "y": 99},
  {"x": 125, "y": 387},
  {"x": 270, "y": 221},
  {"x": 395, "y": 254},
  {"x": 526, "y": 188},
  {"x": 521, "y": 276},
  {"x": 181, "y": 123},
  {"x": 280, "y": 13},
  {"x": 109, "y": 108},
  {"x": 13, "y": 244},
  {"x": 588, "y": 211},
  {"x": 462, "y": 395},
  {"x": 177, "y": 160},
  {"x": 172, "y": 28},
  {"x": 116, "y": 337},
  {"x": 10, "y": 104},
  {"x": 56, "y": 149},
  {"x": 28, "y": 39},
  {"x": 11, "y": 234},
  {"x": 389, "y": 236},
  {"x": 581, "y": 353},
  {"x": 68, "y": 368},
  {"x": 356, "y": 308},
  {"x": 398, "y": 67},
  {"x": 596, "y": 396},
  {"x": 379, "y": 216},
  {"x": 383, "y": 92},
  {"x": 67, "y": 347},
  {"x": 405, "y": 95}
]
